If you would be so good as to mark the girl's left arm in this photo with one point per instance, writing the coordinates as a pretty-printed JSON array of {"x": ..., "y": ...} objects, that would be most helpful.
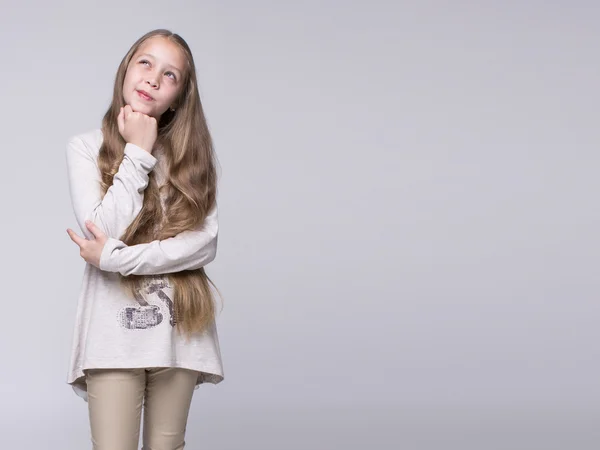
[{"x": 188, "y": 250}]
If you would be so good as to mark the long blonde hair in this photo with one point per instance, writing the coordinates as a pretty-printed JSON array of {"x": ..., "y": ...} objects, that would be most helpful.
[{"x": 191, "y": 185}]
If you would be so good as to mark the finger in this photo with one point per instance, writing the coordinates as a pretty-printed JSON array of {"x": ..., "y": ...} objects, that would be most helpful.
[
  {"x": 127, "y": 110},
  {"x": 75, "y": 238},
  {"x": 97, "y": 232}
]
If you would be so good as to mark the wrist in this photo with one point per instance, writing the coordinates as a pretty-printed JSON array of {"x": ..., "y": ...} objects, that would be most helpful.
[
  {"x": 145, "y": 145},
  {"x": 143, "y": 157}
]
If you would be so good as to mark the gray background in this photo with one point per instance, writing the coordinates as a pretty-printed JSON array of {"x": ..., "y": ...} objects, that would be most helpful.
[{"x": 408, "y": 207}]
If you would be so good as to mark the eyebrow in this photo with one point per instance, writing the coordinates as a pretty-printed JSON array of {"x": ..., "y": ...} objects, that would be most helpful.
[{"x": 168, "y": 65}]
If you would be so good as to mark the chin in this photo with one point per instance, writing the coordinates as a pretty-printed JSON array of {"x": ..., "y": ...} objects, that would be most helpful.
[{"x": 142, "y": 108}]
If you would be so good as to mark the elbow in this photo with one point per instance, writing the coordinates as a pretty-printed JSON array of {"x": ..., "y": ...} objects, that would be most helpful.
[
  {"x": 212, "y": 254},
  {"x": 212, "y": 251},
  {"x": 207, "y": 254}
]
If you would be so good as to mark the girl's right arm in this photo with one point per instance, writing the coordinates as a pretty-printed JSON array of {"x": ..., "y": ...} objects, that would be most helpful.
[{"x": 122, "y": 202}]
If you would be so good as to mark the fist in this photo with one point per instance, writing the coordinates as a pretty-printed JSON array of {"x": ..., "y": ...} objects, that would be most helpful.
[{"x": 137, "y": 128}]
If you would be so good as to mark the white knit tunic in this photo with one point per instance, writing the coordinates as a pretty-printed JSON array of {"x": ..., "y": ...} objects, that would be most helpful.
[{"x": 112, "y": 328}]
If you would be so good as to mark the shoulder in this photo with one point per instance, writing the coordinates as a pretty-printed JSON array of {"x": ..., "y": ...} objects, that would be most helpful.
[{"x": 88, "y": 142}]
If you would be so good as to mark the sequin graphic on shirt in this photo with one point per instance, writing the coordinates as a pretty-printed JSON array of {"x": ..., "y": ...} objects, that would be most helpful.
[
  {"x": 140, "y": 318},
  {"x": 157, "y": 286},
  {"x": 147, "y": 315}
]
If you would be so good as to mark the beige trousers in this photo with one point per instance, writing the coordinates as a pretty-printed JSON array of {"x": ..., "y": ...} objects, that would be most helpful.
[{"x": 115, "y": 398}]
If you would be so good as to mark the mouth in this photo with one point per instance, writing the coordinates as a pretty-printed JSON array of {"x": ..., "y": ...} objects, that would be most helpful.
[{"x": 144, "y": 95}]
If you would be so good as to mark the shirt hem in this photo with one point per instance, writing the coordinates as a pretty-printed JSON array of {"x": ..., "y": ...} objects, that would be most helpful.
[{"x": 206, "y": 373}]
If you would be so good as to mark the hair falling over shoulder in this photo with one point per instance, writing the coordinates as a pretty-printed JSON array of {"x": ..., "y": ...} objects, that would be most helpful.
[{"x": 191, "y": 185}]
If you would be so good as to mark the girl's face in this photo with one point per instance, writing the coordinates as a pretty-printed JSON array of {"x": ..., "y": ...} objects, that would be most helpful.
[{"x": 154, "y": 77}]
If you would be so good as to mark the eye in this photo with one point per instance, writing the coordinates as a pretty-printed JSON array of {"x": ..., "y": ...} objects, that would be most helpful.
[
  {"x": 171, "y": 75},
  {"x": 144, "y": 61}
]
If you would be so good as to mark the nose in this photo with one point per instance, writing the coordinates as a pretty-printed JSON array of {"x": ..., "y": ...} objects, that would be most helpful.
[{"x": 152, "y": 81}]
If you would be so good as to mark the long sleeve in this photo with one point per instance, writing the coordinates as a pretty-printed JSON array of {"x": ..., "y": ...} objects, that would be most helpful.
[
  {"x": 188, "y": 250},
  {"x": 123, "y": 201}
]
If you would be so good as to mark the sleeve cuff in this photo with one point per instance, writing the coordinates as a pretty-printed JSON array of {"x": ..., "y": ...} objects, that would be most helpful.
[
  {"x": 108, "y": 263},
  {"x": 139, "y": 154}
]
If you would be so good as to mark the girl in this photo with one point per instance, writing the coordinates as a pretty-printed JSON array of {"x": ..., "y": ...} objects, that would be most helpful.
[{"x": 143, "y": 189}]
